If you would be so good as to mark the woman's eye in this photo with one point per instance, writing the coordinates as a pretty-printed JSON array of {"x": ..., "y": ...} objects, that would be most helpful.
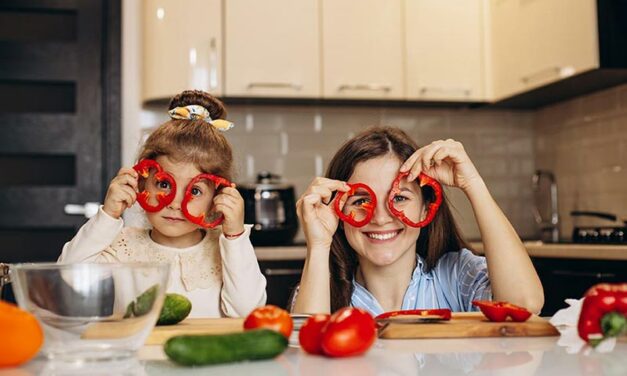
[
  {"x": 360, "y": 202},
  {"x": 196, "y": 192},
  {"x": 163, "y": 184}
]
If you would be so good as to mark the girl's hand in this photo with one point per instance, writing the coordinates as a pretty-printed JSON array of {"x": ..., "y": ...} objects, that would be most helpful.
[
  {"x": 122, "y": 192},
  {"x": 315, "y": 211},
  {"x": 445, "y": 161},
  {"x": 231, "y": 204}
]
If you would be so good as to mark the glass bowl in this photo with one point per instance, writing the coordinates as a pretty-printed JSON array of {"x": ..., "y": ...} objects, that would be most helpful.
[{"x": 92, "y": 312}]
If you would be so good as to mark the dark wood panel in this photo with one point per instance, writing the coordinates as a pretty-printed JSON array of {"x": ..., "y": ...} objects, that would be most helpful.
[
  {"x": 37, "y": 25},
  {"x": 39, "y": 207},
  {"x": 33, "y": 244},
  {"x": 31, "y": 133},
  {"x": 38, "y": 61},
  {"x": 39, "y": 4},
  {"x": 282, "y": 277},
  {"x": 28, "y": 96},
  {"x": 34, "y": 170}
]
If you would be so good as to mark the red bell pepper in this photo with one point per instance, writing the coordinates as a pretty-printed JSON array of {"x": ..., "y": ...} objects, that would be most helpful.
[
  {"x": 500, "y": 311},
  {"x": 433, "y": 207},
  {"x": 200, "y": 219},
  {"x": 368, "y": 206},
  {"x": 163, "y": 199},
  {"x": 443, "y": 314},
  {"x": 603, "y": 313}
]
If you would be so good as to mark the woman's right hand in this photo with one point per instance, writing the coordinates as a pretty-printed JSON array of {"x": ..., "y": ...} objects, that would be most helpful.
[
  {"x": 122, "y": 192},
  {"x": 315, "y": 212}
]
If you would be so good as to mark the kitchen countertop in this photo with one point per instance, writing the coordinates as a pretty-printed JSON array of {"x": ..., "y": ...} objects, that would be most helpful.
[
  {"x": 470, "y": 356},
  {"x": 535, "y": 249}
]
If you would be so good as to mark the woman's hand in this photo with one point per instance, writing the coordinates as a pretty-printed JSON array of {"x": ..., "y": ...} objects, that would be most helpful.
[
  {"x": 315, "y": 212},
  {"x": 445, "y": 161},
  {"x": 122, "y": 192},
  {"x": 231, "y": 204}
]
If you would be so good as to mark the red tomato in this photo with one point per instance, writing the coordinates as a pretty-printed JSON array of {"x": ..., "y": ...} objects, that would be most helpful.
[
  {"x": 350, "y": 331},
  {"x": 310, "y": 334},
  {"x": 270, "y": 317}
]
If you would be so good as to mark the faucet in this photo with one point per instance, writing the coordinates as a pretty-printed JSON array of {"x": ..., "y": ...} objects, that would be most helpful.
[{"x": 551, "y": 225}]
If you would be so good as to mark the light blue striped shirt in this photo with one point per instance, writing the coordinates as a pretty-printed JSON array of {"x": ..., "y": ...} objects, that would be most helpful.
[{"x": 457, "y": 279}]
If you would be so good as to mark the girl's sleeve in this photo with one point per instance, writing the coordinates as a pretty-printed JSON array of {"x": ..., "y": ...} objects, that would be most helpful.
[
  {"x": 93, "y": 240},
  {"x": 473, "y": 279},
  {"x": 243, "y": 285}
]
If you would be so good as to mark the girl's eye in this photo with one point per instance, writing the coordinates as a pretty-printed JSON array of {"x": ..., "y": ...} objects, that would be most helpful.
[
  {"x": 400, "y": 198},
  {"x": 196, "y": 192},
  {"x": 360, "y": 202},
  {"x": 163, "y": 184}
]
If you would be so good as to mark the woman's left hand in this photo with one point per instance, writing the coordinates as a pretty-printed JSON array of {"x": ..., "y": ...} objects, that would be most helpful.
[
  {"x": 445, "y": 161},
  {"x": 231, "y": 204}
]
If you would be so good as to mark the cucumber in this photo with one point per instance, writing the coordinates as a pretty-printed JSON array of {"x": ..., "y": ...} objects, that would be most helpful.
[
  {"x": 144, "y": 302},
  {"x": 175, "y": 309},
  {"x": 197, "y": 350}
]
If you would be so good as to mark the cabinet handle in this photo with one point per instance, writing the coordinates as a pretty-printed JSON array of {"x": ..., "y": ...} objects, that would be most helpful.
[
  {"x": 275, "y": 85},
  {"x": 270, "y": 271},
  {"x": 458, "y": 90},
  {"x": 559, "y": 71},
  {"x": 569, "y": 273},
  {"x": 369, "y": 87},
  {"x": 213, "y": 64}
]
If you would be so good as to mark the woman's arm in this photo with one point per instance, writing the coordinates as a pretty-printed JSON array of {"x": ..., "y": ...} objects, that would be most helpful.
[{"x": 512, "y": 275}]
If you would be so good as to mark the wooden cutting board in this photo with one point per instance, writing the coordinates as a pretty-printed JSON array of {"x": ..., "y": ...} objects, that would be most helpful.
[
  {"x": 470, "y": 324},
  {"x": 161, "y": 334}
]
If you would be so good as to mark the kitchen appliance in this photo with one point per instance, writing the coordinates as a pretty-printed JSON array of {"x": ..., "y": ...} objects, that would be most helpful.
[
  {"x": 269, "y": 205},
  {"x": 600, "y": 234},
  {"x": 545, "y": 208}
]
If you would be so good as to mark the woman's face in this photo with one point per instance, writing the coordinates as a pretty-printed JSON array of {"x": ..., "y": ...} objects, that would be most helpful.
[{"x": 386, "y": 239}]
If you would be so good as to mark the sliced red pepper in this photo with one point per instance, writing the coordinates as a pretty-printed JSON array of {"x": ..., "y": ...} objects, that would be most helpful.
[
  {"x": 143, "y": 168},
  {"x": 368, "y": 206},
  {"x": 500, "y": 311},
  {"x": 444, "y": 313},
  {"x": 200, "y": 219},
  {"x": 603, "y": 313},
  {"x": 433, "y": 207}
]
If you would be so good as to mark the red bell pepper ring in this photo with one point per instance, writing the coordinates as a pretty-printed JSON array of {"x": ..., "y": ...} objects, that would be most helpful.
[
  {"x": 143, "y": 168},
  {"x": 368, "y": 206},
  {"x": 500, "y": 311},
  {"x": 433, "y": 207},
  {"x": 443, "y": 314},
  {"x": 200, "y": 219},
  {"x": 603, "y": 313}
]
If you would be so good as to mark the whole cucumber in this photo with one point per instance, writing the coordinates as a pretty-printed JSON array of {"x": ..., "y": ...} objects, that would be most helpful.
[{"x": 197, "y": 350}]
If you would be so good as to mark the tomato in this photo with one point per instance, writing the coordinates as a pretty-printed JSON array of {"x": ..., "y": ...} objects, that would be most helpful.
[
  {"x": 270, "y": 317},
  {"x": 350, "y": 331},
  {"x": 310, "y": 334}
]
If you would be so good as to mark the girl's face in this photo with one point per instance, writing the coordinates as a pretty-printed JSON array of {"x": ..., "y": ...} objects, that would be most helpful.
[
  {"x": 170, "y": 227},
  {"x": 386, "y": 239}
]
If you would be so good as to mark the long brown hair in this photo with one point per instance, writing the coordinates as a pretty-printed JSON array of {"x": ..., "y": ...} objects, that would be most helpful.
[
  {"x": 440, "y": 236},
  {"x": 193, "y": 141}
]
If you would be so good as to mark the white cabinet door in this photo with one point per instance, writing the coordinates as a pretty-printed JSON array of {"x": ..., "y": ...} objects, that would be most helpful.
[
  {"x": 273, "y": 48},
  {"x": 182, "y": 47},
  {"x": 536, "y": 42},
  {"x": 362, "y": 49},
  {"x": 444, "y": 50}
]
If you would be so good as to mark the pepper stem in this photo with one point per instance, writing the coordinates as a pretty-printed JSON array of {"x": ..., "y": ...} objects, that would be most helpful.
[{"x": 613, "y": 324}]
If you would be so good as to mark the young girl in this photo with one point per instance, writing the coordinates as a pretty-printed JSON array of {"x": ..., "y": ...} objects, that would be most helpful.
[
  {"x": 387, "y": 265},
  {"x": 215, "y": 268}
]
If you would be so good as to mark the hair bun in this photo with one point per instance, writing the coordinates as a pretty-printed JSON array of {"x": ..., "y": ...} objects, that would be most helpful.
[{"x": 200, "y": 98}]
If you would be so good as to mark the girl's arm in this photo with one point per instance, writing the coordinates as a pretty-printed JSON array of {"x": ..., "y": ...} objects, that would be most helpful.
[
  {"x": 319, "y": 223},
  {"x": 512, "y": 275}
]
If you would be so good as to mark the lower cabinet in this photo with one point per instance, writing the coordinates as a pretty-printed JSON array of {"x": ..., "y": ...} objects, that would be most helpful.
[
  {"x": 570, "y": 278},
  {"x": 282, "y": 277}
]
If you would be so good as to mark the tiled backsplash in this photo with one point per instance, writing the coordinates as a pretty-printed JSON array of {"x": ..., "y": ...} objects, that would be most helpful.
[
  {"x": 584, "y": 142},
  {"x": 297, "y": 143}
]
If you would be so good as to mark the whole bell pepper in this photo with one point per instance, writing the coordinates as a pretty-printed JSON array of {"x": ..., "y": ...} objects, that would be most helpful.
[
  {"x": 200, "y": 219},
  {"x": 500, "y": 311},
  {"x": 433, "y": 207},
  {"x": 163, "y": 199},
  {"x": 367, "y": 206},
  {"x": 603, "y": 313}
]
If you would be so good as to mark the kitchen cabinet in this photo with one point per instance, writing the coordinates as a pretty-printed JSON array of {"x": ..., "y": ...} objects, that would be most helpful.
[
  {"x": 273, "y": 48},
  {"x": 182, "y": 47},
  {"x": 362, "y": 49},
  {"x": 282, "y": 277},
  {"x": 536, "y": 42},
  {"x": 444, "y": 49}
]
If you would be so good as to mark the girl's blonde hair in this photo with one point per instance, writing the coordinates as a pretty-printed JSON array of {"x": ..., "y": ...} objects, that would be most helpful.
[{"x": 193, "y": 141}]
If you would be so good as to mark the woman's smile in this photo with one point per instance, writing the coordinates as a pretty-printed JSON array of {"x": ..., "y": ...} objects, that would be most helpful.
[{"x": 382, "y": 236}]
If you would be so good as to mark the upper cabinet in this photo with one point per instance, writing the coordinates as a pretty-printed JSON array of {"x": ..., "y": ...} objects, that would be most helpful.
[
  {"x": 362, "y": 49},
  {"x": 537, "y": 42},
  {"x": 182, "y": 47},
  {"x": 444, "y": 50},
  {"x": 273, "y": 48}
]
